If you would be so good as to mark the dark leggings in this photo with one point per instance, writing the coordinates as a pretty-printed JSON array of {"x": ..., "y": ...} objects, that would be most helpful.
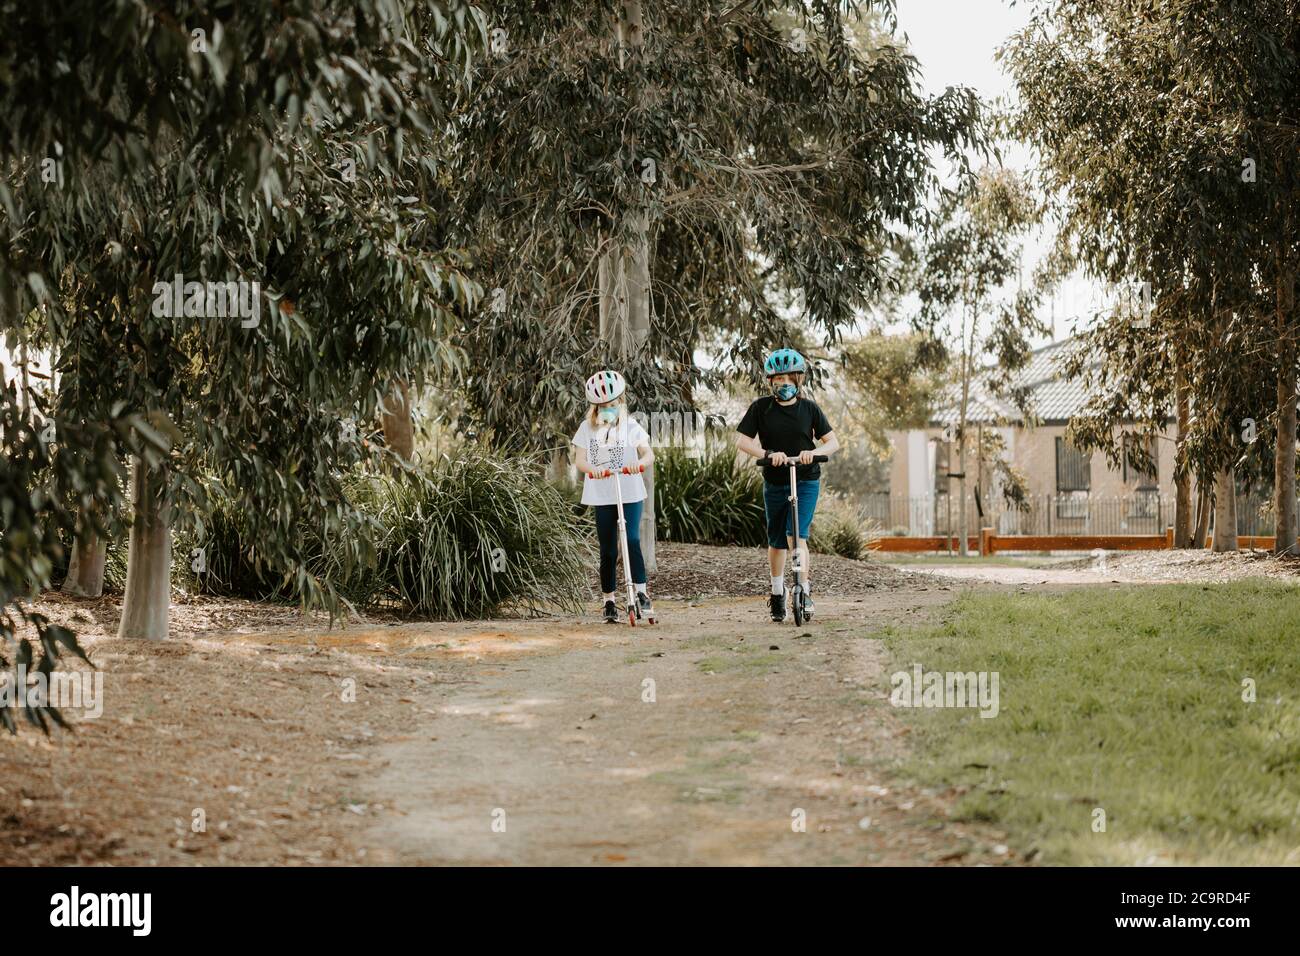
[{"x": 607, "y": 534}]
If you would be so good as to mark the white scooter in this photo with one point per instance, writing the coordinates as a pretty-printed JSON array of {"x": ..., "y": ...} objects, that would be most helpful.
[
  {"x": 634, "y": 612},
  {"x": 799, "y": 598}
]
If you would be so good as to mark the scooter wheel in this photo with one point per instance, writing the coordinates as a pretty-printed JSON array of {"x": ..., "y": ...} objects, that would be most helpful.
[
  {"x": 631, "y": 617},
  {"x": 799, "y": 616}
]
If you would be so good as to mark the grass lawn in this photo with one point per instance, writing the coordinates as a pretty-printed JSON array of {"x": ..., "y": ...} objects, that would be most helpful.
[{"x": 1127, "y": 700}]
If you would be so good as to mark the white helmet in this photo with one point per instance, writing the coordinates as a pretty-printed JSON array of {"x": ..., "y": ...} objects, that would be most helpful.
[{"x": 605, "y": 387}]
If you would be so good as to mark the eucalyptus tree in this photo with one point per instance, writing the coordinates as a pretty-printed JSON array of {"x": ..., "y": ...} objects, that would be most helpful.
[
  {"x": 894, "y": 383},
  {"x": 972, "y": 300},
  {"x": 229, "y": 261},
  {"x": 1168, "y": 136},
  {"x": 645, "y": 179}
]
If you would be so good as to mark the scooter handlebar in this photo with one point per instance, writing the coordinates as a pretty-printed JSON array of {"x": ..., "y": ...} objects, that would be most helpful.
[
  {"x": 790, "y": 460},
  {"x": 606, "y": 473}
]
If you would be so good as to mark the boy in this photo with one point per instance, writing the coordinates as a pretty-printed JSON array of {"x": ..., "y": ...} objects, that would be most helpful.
[{"x": 785, "y": 426}]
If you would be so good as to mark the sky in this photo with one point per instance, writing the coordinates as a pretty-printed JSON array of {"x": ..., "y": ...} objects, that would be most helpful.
[{"x": 955, "y": 42}]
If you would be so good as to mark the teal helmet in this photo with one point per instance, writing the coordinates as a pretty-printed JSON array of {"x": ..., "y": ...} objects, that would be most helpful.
[{"x": 784, "y": 360}]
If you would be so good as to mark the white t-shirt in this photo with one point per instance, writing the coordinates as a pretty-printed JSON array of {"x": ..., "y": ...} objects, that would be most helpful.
[{"x": 612, "y": 447}]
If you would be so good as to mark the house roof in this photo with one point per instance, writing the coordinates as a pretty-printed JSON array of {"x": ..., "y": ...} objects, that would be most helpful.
[{"x": 1053, "y": 398}]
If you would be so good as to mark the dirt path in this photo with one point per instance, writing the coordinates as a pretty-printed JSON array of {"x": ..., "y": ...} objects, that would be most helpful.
[
  {"x": 695, "y": 742},
  {"x": 677, "y": 744}
]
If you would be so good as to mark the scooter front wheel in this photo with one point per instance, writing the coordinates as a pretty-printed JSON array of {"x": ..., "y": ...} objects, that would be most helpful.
[
  {"x": 799, "y": 614},
  {"x": 631, "y": 616}
]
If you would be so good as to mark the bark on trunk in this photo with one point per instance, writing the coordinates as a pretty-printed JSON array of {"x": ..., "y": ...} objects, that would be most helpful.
[
  {"x": 961, "y": 496},
  {"x": 1284, "y": 504},
  {"x": 86, "y": 567},
  {"x": 1284, "y": 463},
  {"x": 147, "y": 601},
  {"x": 558, "y": 467},
  {"x": 648, "y": 520},
  {"x": 624, "y": 275},
  {"x": 961, "y": 436},
  {"x": 399, "y": 428},
  {"x": 1225, "y": 510},
  {"x": 1202, "y": 519},
  {"x": 1182, "y": 474}
]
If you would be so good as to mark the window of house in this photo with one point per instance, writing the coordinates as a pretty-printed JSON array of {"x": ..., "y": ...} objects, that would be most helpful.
[
  {"x": 1073, "y": 468},
  {"x": 1144, "y": 502},
  {"x": 942, "y": 456},
  {"x": 1073, "y": 480}
]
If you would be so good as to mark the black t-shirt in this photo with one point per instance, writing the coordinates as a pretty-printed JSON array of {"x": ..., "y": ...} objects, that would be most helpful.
[{"x": 786, "y": 428}]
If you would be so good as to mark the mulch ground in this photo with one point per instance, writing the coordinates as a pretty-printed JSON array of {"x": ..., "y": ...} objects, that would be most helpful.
[
  {"x": 688, "y": 571},
  {"x": 211, "y": 749}
]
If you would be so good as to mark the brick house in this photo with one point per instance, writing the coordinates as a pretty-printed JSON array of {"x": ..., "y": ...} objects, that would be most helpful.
[{"x": 1069, "y": 491}]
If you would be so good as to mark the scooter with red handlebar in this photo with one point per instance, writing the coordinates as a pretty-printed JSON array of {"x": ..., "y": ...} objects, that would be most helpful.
[
  {"x": 798, "y": 564},
  {"x": 634, "y": 612}
]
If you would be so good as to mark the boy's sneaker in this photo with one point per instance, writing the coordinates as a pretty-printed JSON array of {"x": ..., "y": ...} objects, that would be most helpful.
[
  {"x": 777, "y": 604},
  {"x": 807, "y": 605},
  {"x": 643, "y": 602},
  {"x": 611, "y": 613}
]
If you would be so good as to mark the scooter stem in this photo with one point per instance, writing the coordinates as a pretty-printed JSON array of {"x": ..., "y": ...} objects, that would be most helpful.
[
  {"x": 622, "y": 540},
  {"x": 794, "y": 523}
]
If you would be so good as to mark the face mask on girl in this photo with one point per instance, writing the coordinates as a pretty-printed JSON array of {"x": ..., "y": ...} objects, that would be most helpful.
[
  {"x": 786, "y": 391},
  {"x": 608, "y": 414}
]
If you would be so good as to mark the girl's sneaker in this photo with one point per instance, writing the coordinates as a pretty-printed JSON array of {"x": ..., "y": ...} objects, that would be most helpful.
[
  {"x": 611, "y": 613},
  {"x": 644, "y": 607}
]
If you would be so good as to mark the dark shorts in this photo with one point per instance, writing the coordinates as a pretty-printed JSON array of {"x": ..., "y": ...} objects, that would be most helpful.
[{"x": 776, "y": 502}]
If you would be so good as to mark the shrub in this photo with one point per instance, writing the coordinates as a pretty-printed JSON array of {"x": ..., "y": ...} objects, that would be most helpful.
[
  {"x": 231, "y": 565},
  {"x": 469, "y": 537},
  {"x": 840, "y": 527},
  {"x": 461, "y": 539},
  {"x": 709, "y": 499}
]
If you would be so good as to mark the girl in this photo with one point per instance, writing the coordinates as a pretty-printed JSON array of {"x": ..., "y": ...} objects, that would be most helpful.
[{"x": 609, "y": 439}]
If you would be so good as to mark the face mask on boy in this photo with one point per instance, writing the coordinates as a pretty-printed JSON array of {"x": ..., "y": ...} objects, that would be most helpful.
[{"x": 787, "y": 391}]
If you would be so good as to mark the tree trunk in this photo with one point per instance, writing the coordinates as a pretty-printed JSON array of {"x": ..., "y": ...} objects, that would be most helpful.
[
  {"x": 1284, "y": 505},
  {"x": 1182, "y": 474},
  {"x": 1225, "y": 510},
  {"x": 399, "y": 428},
  {"x": 624, "y": 275},
  {"x": 966, "y": 372},
  {"x": 558, "y": 467},
  {"x": 947, "y": 525},
  {"x": 86, "y": 568},
  {"x": 1202, "y": 519},
  {"x": 961, "y": 495},
  {"x": 1284, "y": 462},
  {"x": 147, "y": 601}
]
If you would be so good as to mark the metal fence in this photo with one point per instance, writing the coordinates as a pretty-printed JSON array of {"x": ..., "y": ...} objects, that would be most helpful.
[{"x": 1142, "y": 513}]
